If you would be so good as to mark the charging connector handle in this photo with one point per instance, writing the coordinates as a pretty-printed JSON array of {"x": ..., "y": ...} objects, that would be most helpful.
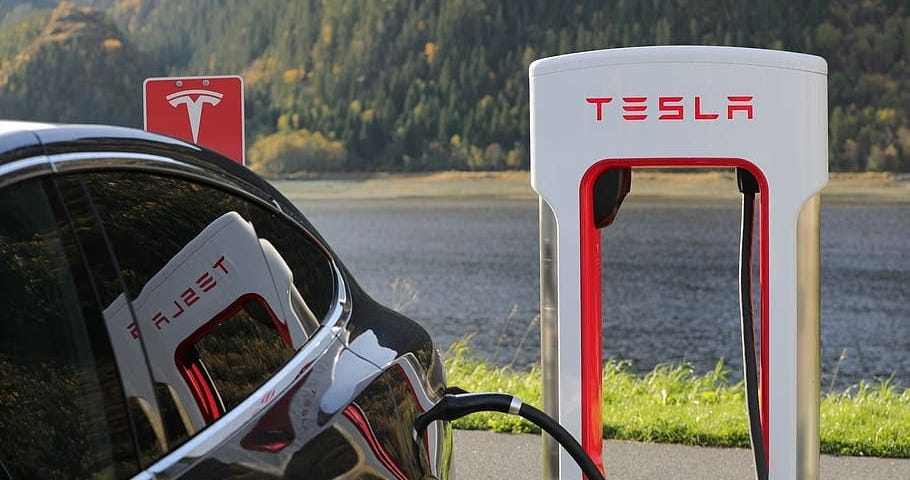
[{"x": 455, "y": 406}]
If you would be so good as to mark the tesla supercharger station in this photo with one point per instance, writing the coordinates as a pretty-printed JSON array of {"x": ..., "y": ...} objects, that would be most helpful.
[{"x": 612, "y": 110}]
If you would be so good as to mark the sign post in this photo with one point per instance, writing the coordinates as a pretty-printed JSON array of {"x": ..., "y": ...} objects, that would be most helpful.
[
  {"x": 207, "y": 111},
  {"x": 759, "y": 110}
]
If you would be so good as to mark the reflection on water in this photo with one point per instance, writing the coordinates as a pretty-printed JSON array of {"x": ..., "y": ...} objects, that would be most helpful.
[{"x": 670, "y": 274}]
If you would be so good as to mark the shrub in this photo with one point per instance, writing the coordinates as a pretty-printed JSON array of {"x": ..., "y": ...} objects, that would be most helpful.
[{"x": 296, "y": 151}]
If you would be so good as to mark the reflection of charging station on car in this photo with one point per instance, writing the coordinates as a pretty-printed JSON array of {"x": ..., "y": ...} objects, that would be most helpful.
[
  {"x": 201, "y": 327},
  {"x": 597, "y": 115},
  {"x": 223, "y": 271}
]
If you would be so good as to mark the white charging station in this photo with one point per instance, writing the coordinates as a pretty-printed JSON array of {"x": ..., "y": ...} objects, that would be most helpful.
[{"x": 681, "y": 106}]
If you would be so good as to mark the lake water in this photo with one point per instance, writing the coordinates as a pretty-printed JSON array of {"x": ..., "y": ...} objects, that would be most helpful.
[{"x": 670, "y": 275}]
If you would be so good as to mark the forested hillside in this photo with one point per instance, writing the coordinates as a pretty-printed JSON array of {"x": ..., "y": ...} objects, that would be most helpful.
[
  {"x": 74, "y": 66},
  {"x": 413, "y": 85}
]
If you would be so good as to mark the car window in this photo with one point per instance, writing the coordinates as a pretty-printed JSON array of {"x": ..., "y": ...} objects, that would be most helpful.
[
  {"x": 62, "y": 409},
  {"x": 220, "y": 293}
]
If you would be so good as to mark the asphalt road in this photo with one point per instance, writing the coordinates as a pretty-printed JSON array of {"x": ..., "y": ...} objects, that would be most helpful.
[{"x": 486, "y": 455}]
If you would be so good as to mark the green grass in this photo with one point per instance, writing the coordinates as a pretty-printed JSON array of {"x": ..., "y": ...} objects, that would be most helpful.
[
  {"x": 867, "y": 419},
  {"x": 671, "y": 404}
]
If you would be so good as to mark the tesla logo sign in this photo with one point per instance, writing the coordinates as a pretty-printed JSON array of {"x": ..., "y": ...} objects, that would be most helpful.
[
  {"x": 204, "y": 110},
  {"x": 635, "y": 109}
]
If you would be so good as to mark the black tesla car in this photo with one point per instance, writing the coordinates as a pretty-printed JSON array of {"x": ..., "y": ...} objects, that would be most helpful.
[{"x": 168, "y": 314}]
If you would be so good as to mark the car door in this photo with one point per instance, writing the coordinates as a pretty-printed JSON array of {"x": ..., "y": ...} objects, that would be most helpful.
[
  {"x": 240, "y": 315},
  {"x": 63, "y": 412}
]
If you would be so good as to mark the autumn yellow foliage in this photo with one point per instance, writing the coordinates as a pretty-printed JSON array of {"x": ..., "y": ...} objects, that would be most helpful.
[{"x": 296, "y": 151}]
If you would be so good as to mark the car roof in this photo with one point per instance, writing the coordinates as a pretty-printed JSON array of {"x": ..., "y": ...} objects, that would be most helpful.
[
  {"x": 28, "y": 136},
  {"x": 7, "y": 126},
  {"x": 33, "y": 143}
]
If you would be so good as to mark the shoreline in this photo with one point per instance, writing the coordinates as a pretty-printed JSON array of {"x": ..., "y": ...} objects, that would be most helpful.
[{"x": 648, "y": 186}]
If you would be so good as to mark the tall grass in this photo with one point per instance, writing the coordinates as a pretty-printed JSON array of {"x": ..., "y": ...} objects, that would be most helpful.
[
  {"x": 672, "y": 404},
  {"x": 867, "y": 419}
]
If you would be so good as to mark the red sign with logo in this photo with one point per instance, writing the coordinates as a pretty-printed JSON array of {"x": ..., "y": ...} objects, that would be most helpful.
[{"x": 207, "y": 111}]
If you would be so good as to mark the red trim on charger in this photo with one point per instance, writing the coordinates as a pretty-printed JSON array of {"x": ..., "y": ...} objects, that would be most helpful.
[
  {"x": 591, "y": 323},
  {"x": 590, "y": 273}
]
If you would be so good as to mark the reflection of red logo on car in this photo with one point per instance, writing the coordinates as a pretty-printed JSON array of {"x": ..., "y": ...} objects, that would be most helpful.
[{"x": 674, "y": 108}]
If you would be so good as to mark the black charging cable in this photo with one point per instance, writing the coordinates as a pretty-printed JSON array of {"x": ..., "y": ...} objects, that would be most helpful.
[
  {"x": 748, "y": 186},
  {"x": 453, "y": 406}
]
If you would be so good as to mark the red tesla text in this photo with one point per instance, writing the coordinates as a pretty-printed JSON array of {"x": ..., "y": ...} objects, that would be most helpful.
[{"x": 670, "y": 108}]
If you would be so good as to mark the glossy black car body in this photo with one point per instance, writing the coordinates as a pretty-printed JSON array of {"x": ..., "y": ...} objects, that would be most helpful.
[{"x": 169, "y": 314}]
